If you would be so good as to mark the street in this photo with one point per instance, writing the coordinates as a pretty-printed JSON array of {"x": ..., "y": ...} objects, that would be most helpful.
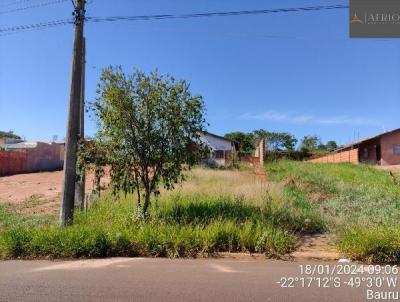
[{"x": 147, "y": 279}]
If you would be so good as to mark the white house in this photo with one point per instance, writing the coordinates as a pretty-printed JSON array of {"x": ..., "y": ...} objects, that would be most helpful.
[{"x": 222, "y": 150}]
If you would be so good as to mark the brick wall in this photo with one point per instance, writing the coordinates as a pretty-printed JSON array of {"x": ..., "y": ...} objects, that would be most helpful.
[
  {"x": 13, "y": 162},
  {"x": 45, "y": 157},
  {"x": 347, "y": 156},
  {"x": 250, "y": 159},
  {"x": 387, "y": 149}
]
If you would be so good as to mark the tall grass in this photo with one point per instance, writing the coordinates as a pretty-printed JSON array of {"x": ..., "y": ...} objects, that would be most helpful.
[{"x": 359, "y": 202}]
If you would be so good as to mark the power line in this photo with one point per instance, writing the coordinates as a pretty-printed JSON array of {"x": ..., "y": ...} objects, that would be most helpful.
[
  {"x": 37, "y": 26},
  {"x": 16, "y": 29},
  {"x": 215, "y": 14},
  {"x": 42, "y": 4}
]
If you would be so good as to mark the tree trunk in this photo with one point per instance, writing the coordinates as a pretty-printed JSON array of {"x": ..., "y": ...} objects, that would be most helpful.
[{"x": 146, "y": 203}]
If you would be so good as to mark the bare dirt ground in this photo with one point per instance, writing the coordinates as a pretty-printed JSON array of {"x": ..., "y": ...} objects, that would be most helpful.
[
  {"x": 394, "y": 168},
  {"x": 35, "y": 188},
  {"x": 317, "y": 247}
]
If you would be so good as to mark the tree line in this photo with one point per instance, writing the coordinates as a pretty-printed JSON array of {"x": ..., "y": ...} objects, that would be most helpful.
[{"x": 280, "y": 142}]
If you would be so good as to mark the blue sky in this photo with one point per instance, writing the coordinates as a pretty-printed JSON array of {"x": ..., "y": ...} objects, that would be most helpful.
[{"x": 297, "y": 72}]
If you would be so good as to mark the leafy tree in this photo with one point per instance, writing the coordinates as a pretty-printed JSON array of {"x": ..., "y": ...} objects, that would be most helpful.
[
  {"x": 322, "y": 147},
  {"x": 246, "y": 141},
  {"x": 331, "y": 145},
  {"x": 310, "y": 143},
  {"x": 277, "y": 141},
  {"x": 148, "y": 130},
  {"x": 9, "y": 134}
]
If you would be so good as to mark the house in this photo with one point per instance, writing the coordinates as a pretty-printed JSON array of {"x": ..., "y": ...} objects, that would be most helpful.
[
  {"x": 382, "y": 149},
  {"x": 222, "y": 150}
]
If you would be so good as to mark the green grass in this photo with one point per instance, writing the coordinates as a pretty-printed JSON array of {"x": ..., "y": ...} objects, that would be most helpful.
[
  {"x": 179, "y": 226},
  {"x": 9, "y": 219},
  {"x": 359, "y": 202}
]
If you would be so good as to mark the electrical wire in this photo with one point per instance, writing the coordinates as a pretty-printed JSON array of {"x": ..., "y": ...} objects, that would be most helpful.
[
  {"x": 17, "y": 29},
  {"x": 215, "y": 14}
]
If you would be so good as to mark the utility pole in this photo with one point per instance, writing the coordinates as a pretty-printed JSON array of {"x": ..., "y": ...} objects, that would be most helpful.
[
  {"x": 68, "y": 194},
  {"x": 80, "y": 183}
]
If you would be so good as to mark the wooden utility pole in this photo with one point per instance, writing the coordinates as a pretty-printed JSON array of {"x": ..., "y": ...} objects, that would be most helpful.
[
  {"x": 80, "y": 183},
  {"x": 68, "y": 194}
]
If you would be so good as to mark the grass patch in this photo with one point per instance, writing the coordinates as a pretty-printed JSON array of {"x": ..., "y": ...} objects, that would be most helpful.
[
  {"x": 380, "y": 244},
  {"x": 214, "y": 211},
  {"x": 359, "y": 202},
  {"x": 110, "y": 228}
]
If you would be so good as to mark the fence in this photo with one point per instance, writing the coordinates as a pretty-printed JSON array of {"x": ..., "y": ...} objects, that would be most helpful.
[{"x": 348, "y": 156}]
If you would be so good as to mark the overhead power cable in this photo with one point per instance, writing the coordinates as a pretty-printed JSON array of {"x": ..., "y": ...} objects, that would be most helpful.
[
  {"x": 16, "y": 29},
  {"x": 215, "y": 14},
  {"x": 37, "y": 5}
]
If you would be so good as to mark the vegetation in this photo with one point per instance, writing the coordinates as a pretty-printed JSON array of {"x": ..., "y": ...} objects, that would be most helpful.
[
  {"x": 9, "y": 134},
  {"x": 359, "y": 202},
  {"x": 149, "y": 132},
  {"x": 246, "y": 142},
  {"x": 277, "y": 141},
  {"x": 214, "y": 211}
]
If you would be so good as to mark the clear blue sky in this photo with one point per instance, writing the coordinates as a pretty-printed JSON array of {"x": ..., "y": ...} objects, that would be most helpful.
[{"x": 297, "y": 72}]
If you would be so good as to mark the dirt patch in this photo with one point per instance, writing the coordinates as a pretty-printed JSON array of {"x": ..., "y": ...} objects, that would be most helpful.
[
  {"x": 43, "y": 185},
  {"x": 317, "y": 247},
  {"x": 37, "y": 205},
  {"x": 393, "y": 168},
  {"x": 318, "y": 196},
  {"x": 259, "y": 172}
]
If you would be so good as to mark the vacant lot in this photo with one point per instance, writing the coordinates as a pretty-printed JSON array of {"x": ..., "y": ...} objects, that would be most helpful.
[
  {"x": 224, "y": 211},
  {"x": 214, "y": 211}
]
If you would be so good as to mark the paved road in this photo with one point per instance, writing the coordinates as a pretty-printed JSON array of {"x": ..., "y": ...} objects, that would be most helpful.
[{"x": 138, "y": 279}]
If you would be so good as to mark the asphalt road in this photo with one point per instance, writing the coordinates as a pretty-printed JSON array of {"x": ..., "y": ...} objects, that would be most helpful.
[{"x": 146, "y": 279}]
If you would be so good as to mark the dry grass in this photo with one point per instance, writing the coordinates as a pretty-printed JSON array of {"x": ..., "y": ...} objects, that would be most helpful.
[{"x": 232, "y": 183}]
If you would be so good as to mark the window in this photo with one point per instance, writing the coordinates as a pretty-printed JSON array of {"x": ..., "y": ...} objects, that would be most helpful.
[
  {"x": 365, "y": 153},
  {"x": 396, "y": 149},
  {"x": 219, "y": 154}
]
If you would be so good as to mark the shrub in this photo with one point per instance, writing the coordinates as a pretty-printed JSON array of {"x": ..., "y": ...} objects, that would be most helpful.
[{"x": 379, "y": 244}]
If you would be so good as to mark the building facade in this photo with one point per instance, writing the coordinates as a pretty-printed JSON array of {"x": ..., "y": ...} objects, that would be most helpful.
[
  {"x": 382, "y": 149},
  {"x": 222, "y": 150}
]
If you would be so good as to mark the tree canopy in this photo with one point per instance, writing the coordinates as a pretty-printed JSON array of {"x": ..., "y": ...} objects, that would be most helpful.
[
  {"x": 148, "y": 130},
  {"x": 310, "y": 143},
  {"x": 277, "y": 141},
  {"x": 246, "y": 141}
]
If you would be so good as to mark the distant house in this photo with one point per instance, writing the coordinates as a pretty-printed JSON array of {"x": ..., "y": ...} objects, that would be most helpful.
[
  {"x": 382, "y": 149},
  {"x": 222, "y": 150}
]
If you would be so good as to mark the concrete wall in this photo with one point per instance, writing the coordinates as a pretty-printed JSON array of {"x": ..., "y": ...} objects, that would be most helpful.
[
  {"x": 387, "y": 149},
  {"x": 45, "y": 157},
  {"x": 347, "y": 156}
]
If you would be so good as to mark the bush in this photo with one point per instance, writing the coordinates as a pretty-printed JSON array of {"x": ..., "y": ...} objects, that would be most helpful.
[{"x": 380, "y": 244}]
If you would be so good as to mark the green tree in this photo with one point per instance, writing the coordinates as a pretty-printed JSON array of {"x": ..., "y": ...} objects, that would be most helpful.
[
  {"x": 246, "y": 141},
  {"x": 277, "y": 141},
  {"x": 331, "y": 145},
  {"x": 149, "y": 129},
  {"x": 310, "y": 143}
]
